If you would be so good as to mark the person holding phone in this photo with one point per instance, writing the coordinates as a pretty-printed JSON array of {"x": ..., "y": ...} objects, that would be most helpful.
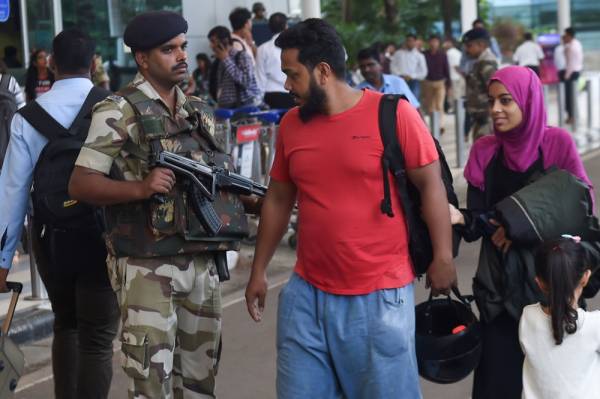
[{"x": 236, "y": 78}]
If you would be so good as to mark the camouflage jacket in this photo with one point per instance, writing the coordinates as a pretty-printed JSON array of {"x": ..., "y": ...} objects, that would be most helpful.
[
  {"x": 118, "y": 143},
  {"x": 477, "y": 83}
]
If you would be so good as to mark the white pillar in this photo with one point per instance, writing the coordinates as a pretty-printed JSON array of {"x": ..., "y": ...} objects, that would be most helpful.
[
  {"x": 311, "y": 9},
  {"x": 468, "y": 14},
  {"x": 57, "y": 15},
  {"x": 24, "y": 31},
  {"x": 563, "y": 8}
]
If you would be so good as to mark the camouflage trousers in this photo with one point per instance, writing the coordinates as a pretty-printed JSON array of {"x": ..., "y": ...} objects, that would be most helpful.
[
  {"x": 171, "y": 314},
  {"x": 482, "y": 126}
]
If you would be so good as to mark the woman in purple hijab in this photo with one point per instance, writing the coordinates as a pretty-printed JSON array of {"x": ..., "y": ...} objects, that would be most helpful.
[{"x": 499, "y": 165}]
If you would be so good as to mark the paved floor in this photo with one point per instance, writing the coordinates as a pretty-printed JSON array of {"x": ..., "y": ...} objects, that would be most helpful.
[{"x": 248, "y": 364}]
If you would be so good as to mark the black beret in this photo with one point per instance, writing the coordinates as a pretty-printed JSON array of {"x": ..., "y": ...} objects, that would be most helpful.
[
  {"x": 151, "y": 29},
  {"x": 475, "y": 34}
]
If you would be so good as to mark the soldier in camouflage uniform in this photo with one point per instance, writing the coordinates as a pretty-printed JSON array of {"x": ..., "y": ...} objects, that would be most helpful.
[
  {"x": 161, "y": 261},
  {"x": 476, "y": 42}
]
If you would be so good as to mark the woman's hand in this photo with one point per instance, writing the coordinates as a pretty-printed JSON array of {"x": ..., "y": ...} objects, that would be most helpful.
[
  {"x": 499, "y": 237},
  {"x": 456, "y": 216}
]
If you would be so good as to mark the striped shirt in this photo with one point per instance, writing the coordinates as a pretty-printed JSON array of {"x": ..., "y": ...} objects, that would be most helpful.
[
  {"x": 237, "y": 84},
  {"x": 14, "y": 88}
]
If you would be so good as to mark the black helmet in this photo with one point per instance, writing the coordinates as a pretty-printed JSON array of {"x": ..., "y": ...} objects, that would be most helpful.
[{"x": 448, "y": 338}]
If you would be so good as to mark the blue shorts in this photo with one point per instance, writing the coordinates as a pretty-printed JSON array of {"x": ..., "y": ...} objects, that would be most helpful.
[{"x": 346, "y": 346}]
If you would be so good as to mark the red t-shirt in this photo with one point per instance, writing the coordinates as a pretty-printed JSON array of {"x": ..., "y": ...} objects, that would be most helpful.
[{"x": 345, "y": 244}]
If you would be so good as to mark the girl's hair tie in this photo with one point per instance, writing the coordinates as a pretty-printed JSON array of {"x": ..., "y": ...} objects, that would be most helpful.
[{"x": 577, "y": 239}]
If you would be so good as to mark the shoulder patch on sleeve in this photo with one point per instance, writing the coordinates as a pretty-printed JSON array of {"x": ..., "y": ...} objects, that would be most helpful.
[
  {"x": 111, "y": 102},
  {"x": 115, "y": 98}
]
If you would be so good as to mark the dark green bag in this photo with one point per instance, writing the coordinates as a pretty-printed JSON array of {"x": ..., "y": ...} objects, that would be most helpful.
[{"x": 556, "y": 203}]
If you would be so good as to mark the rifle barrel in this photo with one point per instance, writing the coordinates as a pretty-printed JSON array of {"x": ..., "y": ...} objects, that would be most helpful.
[{"x": 222, "y": 178}]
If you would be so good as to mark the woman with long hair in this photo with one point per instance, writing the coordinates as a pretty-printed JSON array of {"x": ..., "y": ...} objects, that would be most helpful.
[
  {"x": 202, "y": 74},
  {"x": 499, "y": 165},
  {"x": 39, "y": 78}
]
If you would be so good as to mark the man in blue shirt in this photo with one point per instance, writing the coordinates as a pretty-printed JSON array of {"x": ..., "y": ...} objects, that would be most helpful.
[
  {"x": 86, "y": 312},
  {"x": 372, "y": 70}
]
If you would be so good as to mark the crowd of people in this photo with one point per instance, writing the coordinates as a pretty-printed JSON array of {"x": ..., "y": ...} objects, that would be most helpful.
[
  {"x": 346, "y": 320},
  {"x": 244, "y": 68},
  {"x": 437, "y": 72}
]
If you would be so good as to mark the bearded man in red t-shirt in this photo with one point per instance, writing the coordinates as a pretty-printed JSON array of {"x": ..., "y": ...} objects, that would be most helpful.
[{"x": 346, "y": 318}]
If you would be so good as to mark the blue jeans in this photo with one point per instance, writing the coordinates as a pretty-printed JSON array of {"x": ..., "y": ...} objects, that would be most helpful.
[
  {"x": 415, "y": 87},
  {"x": 343, "y": 346}
]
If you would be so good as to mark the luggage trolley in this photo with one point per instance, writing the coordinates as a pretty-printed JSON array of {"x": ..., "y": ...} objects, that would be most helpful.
[
  {"x": 250, "y": 136},
  {"x": 268, "y": 136},
  {"x": 224, "y": 123},
  {"x": 241, "y": 130}
]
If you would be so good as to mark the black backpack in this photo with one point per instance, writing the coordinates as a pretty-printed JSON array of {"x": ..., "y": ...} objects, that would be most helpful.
[
  {"x": 52, "y": 205},
  {"x": 8, "y": 107},
  {"x": 392, "y": 160}
]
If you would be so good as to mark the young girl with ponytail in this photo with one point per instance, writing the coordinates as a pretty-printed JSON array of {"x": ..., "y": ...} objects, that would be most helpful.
[{"x": 561, "y": 341}]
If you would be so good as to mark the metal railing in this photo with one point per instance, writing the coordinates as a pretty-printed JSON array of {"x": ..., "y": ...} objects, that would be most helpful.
[
  {"x": 459, "y": 122},
  {"x": 38, "y": 289}
]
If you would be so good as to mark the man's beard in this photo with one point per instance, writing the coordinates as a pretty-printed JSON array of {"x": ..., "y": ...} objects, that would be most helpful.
[{"x": 315, "y": 103}]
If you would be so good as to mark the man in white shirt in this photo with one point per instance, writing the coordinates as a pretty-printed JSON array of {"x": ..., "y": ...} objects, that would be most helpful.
[
  {"x": 529, "y": 54},
  {"x": 574, "y": 66},
  {"x": 559, "y": 59},
  {"x": 457, "y": 89},
  {"x": 270, "y": 78},
  {"x": 241, "y": 27},
  {"x": 409, "y": 63}
]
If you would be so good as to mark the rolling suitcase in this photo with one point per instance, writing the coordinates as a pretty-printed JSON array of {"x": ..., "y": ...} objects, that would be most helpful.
[{"x": 12, "y": 360}]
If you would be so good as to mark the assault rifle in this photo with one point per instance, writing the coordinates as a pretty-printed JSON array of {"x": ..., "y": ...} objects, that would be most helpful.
[
  {"x": 216, "y": 179},
  {"x": 201, "y": 194}
]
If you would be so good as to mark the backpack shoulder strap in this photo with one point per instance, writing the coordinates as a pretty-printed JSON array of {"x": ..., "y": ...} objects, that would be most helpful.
[
  {"x": 5, "y": 82},
  {"x": 42, "y": 121},
  {"x": 95, "y": 95},
  {"x": 392, "y": 159}
]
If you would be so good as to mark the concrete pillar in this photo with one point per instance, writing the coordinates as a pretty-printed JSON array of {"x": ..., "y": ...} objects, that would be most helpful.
[
  {"x": 468, "y": 14},
  {"x": 24, "y": 31},
  {"x": 311, "y": 9},
  {"x": 57, "y": 14},
  {"x": 563, "y": 8}
]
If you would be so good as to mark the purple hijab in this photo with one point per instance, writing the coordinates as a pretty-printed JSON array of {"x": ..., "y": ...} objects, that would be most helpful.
[{"x": 520, "y": 145}]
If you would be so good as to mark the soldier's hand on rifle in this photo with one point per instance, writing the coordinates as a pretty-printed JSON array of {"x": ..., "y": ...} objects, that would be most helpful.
[
  {"x": 160, "y": 180},
  {"x": 252, "y": 204},
  {"x": 256, "y": 293}
]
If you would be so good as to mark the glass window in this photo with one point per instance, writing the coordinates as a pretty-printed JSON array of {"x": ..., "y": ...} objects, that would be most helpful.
[
  {"x": 40, "y": 24},
  {"x": 106, "y": 20},
  {"x": 91, "y": 16},
  {"x": 540, "y": 15}
]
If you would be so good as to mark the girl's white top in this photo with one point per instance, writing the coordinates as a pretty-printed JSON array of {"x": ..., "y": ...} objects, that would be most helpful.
[{"x": 570, "y": 370}]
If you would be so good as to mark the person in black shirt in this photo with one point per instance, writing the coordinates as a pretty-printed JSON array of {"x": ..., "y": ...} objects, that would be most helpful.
[{"x": 39, "y": 77}]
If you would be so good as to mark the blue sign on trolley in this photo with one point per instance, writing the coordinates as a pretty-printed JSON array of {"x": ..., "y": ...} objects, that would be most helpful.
[{"x": 4, "y": 10}]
